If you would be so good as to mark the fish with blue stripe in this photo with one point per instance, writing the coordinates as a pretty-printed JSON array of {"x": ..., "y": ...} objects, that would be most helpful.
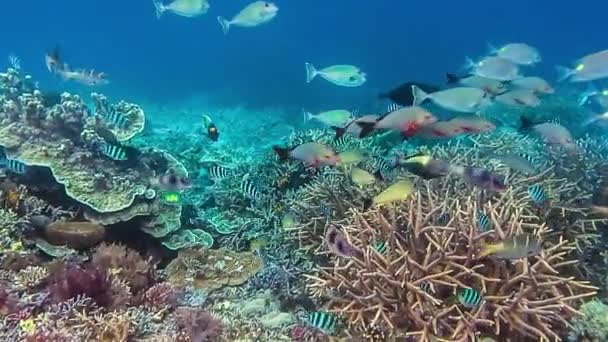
[
  {"x": 538, "y": 194},
  {"x": 380, "y": 247},
  {"x": 13, "y": 166},
  {"x": 323, "y": 321},
  {"x": 115, "y": 152},
  {"x": 250, "y": 190},
  {"x": 483, "y": 222},
  {"x": 469, "y": 298}
]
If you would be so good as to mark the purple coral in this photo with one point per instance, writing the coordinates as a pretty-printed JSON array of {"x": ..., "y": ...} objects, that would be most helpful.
[
  {"x": 72, "y": 281},
  {"x": 198, "y": 324},
  {"x": 159, "y": 296}
]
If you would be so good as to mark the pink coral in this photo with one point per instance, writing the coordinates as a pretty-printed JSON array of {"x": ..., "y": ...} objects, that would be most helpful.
[{"x": 198, "y": 324}]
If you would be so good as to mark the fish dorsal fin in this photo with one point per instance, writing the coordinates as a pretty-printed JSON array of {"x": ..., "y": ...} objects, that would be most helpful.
[{"x": 414, "y": 154}]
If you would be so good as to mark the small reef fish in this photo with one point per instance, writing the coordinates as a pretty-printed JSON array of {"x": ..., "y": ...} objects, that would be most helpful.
[
  {"x": 288, "y": 221},
  {"x": 425, "y": 286},
  {"x": 87, "y": 77},
  {"x": 337, "y": 244},
  {"x": 397, "y": 192},
  {"x": 364, "y": 178},
  {"x": 250, "y": 190},
  {"x": 472, "y": 124},
  {"x": 495, "y": 68},
  {"x": 383, "y": 165},
  {"x": 443, "y": 219},
  {"x": 323, "y": 321},
  {"x": 340, "y": 142},
  {"x": 218, "y": 173},
  {"x": 537, "y": 194},
  {"x": 596, "y": 118},
  {"x": 519, "y": 53},
  {"x": 209, "y": 128},
  {"x": 519, "y": 162},
  {"x": 115, "y": 152},
  {"x": 493, "y": 87},
  {"x": 171, "y": 197},
  {"x": 351, "y": 157},
  {"x": 480, "y": 178},
  {"x": 391, "y": 107},
  {"x": 380, "y": 247},
  {"x": 551, "y": 133},
  {"x": 459, "y": 99},
  {"x": 13, "y": 166},
  {"x": 171, "y": 181},
  {"x": 114, "y": 117},
  {"x": 425, "y": 166},
  {"x": 589, "y": 68},
  {"x": 341, "y": 75},
  {"x": 312, "y": 154},
  {"x": 402, "y": 95},
  {"x": 14, "y": 61},
  {"x": 254, "y": 14},
  {"x": 354, "y": 127},
  {"x": 591, "y": 91},
  {"x": 407, "y": 120},
  {"x": 536, "y": 84},
  {"x": 519, "y": 97},
  {"x": 469, "y": 298},
  {"x": 483, "y": 222},
  {"x": 184, "y": 8},
  {"x": 332, "y": 118},
  {"x": 513, "y": 248}
]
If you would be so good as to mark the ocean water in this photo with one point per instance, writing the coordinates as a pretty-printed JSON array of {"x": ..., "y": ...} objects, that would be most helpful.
[{"x": 175, "y": 58}]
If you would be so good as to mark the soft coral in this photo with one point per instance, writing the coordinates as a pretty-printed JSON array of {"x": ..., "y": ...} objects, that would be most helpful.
[{"x": 74, "y": 280}]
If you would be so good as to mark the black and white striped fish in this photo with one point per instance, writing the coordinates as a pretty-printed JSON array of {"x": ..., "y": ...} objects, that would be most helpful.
[
  {"x": 483, "y": 222},
  {"x": 425, "y": 286},
  {"x": 250, "y": 190},
  {"x": 538, "y": 194},
  {"x": 114, "y": 117},
  {"x": 382, "y": 165},
  {"x": 115, "y": 152},
  {"x": 13, "y": 166},
  {"x": 341, "y": 142},
  {"x": 324, "y": 321},
  {"x": 218, "y": 173},
  {"x": 393, "y": 107}
]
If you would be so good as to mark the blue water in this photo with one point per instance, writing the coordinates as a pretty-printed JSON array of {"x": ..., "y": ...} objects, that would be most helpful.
[{"x": 175, "y": 58}]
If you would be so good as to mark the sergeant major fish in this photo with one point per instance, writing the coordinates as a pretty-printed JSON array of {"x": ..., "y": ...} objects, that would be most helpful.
[
  {"x": 254, "y": 14},
  {"x": 342, "y": 75}
]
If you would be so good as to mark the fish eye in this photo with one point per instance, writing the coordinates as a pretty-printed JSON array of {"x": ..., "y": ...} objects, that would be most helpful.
[
  {"x": 266, "y": 4},
  {"x": 352, "y": 78}
]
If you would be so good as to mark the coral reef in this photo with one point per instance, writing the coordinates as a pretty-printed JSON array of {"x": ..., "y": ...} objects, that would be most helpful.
[{"x": 592, "y": 325}]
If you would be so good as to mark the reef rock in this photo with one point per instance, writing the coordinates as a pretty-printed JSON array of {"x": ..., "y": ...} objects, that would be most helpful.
[{"x": 78, "y": 235}]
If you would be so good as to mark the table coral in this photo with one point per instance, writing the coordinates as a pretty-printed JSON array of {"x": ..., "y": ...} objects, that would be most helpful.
[{"x": 212, "y": 269}]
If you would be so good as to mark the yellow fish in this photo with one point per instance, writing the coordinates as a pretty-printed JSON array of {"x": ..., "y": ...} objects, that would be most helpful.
[
  {"x": 350, "y": 157},
  {"x": 513, "y": 248},
  {"x": 363, "y": 178},
  {"x": 288, "y": 221},
  {"x": 399, "y": 191}
]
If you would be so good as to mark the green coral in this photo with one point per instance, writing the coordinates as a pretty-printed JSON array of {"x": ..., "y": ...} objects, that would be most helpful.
[
  {"x": 188, "y": 238},
  {"x": 9, "y": 222},
  {"x": 593, "y": 325}
]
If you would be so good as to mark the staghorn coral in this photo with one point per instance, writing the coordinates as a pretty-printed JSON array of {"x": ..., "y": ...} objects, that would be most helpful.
[
  {"x": 212, "y": 269},
  {"x": 9, "y": 223},
  {"x": 529, "y": 298},
  {"x": 31, "y": 277},
  {"x": 124, "y": 264}
]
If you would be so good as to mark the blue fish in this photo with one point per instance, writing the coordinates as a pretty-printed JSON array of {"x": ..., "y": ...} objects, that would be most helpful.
[
  {"x": 324, "y": 321},
  {"x": 537, "y": 194},
  {"x": 483, "y": 222},
  {"x": 380, "y": 247},
  {"x": 13, "y": 166},
  {"x": 469, "y": 298}
]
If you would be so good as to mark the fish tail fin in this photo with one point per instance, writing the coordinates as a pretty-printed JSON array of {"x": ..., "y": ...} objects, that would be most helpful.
[
  {"x": 525, "y": 123},
  {"x": 489, "y": 249},
  {"x": 452, "y": 78},
  {"x": 591, "y": 120},
  {"x": 378, "y": 175},
  {"x": 468, "y": 63},
  {"x": 584, "y": 97},
  {"x": 492, "y": 50},
  {"x": 366, "y": 128},
  {"x": 339, "y": 132},
  {"x": 224, "y": 23},
  {"x": 419, "y": 95},
  {"x": 160, "y": 8},
  {"x": 563, "y": 73},
  {"x": 307, "y": 115},
  {"x": 311, "y": 72},
  {"x": 282, "y": 153}
]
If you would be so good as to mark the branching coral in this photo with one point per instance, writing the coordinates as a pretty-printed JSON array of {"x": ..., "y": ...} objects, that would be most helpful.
[
  {"x": 198, "y": 325},
  {"x": 124, "y": 264},
  {"x": 527, "y": 298}
]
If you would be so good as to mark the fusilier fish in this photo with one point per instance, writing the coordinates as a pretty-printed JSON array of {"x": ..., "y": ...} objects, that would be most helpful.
[
  {"x": 589, "y": 68},
  {"x": 342, "y": 75},
  {"x": 254, "y": 14},
  {"x": 495, "y": 68},
  {"x": 184, "y": 8},
  {"x": 519, "y": 53},
  {"x": 459, "y": 99},
  {"x": 332, "y": 118}
]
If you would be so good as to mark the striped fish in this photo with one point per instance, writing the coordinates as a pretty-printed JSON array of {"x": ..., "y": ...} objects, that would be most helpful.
[
  {"x": 483, "y": 222},
  {"x": 115, "y": 117},
  {"x": 443, "y": 219},
  {"x": 13, "y": 166},
  {"x": 380, "y": 247},
  {"x": 393, "y": 107},
  {"x": 341, "y": 142},
  {"x": 382, "y": 165},
  {"x": 324, "y": 321},
  {"x": 537, "y": 194},
  {"x": 115, "y": 152},
  {"x": 469, "y": 298},
  {"x": 250, "y": 190},
  {"x": 425, "y": 286},
  {"x": 217, "y": 172}
]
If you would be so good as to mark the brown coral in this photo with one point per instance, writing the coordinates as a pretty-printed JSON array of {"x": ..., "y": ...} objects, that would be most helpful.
[
  {"x": 124, "y": 264},
  {"x": 79, "y": 235}
]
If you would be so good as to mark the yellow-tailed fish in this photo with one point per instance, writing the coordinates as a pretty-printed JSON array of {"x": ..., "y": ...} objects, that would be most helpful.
[
  {"x": 514, "y": 247},
  {"x": 363, "y": 178},
  {"x": 399, "y": 191},
  {"x": 589, "y": 68},
  {"x": 254, "y": 14}
]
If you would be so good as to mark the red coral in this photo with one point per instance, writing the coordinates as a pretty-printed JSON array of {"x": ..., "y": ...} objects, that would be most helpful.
[
  {"x": 198, "y": 324},
  {"x": 159, "y": 296},
  {"x": 90, "y": 281},
  {"x": 9, "y": 303},
  {"x": 126, "y": 264}
]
